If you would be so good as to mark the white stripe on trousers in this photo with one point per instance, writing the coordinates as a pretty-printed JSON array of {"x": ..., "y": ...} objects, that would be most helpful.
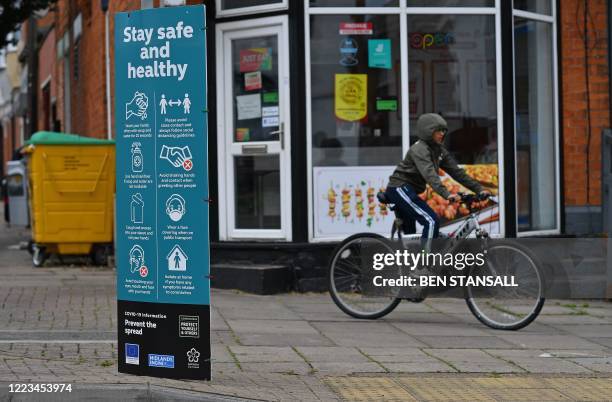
[{"x": 419, "y": 210}]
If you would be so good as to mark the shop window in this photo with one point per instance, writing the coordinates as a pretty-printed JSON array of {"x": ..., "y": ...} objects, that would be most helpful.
[
  {"x": 258, "y": 182},
  {"x": 452, "y": 72},
  {"x": 356, "y": 90},
  {"x": 535, "y": 125},
  {"x": 534, "y": 6},
  {"x": 451, "y": 3},
  {"x": 238, "y": 7},
  {"x": 354, "y": 3},
  {"x": 233, "y": 4},
  {"x": 255, "y": 73}
]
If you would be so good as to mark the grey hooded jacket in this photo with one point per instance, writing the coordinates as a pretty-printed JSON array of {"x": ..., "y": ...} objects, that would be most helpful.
[{"x": 421, "y": 163}]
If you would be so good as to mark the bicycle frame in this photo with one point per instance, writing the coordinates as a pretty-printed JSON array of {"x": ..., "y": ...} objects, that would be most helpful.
[{"x": 470, "y": 225}]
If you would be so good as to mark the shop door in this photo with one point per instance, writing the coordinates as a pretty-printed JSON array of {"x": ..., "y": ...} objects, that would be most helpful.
[{"x": 253, "y": 129}]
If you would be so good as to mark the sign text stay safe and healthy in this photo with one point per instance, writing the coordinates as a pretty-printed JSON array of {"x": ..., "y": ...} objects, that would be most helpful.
[{"x": 162, "y": 255}]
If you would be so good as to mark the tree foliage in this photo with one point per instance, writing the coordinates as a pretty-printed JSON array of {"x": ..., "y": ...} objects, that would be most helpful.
[{"x": 14, "y": 12}]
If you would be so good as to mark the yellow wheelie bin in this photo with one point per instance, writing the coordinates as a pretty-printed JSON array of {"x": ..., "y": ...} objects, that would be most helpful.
[{"x": 72, "y": 186}]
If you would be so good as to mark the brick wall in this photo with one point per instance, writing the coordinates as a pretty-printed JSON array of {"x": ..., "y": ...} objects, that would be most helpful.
[
  {"x": 575, "y": 121},
  {"x": 46, "y": 75}
]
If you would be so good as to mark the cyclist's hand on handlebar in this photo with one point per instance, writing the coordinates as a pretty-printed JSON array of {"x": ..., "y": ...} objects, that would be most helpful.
[
  {"x": 454, "y": 198},
  {"x": 483, "y": 195}
]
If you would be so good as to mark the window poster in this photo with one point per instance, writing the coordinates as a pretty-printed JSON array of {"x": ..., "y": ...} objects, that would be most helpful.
[
  {"x": 270, "y": 97},
  {"x": 351, "y": 96},
  {"x": 356, "y": 28},
  {"x": 249, "y": 106},
  {"x": 255, "y": 59},
  {"x": 243, "y": 134},
  {"x": 379, "y": 53},
  {"x": 345, "y": 201},
  {"x": 252, "y": 81}
]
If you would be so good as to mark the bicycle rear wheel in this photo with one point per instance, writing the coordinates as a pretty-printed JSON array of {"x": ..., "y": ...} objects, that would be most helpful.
[
  {"x": 351, "y": 275},
  {"x": 508, "y": 308}
]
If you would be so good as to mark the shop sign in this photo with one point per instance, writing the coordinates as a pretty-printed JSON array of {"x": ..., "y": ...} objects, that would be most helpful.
[
  {"x": 162, "y": 243},
  {"x": 243, "y": 134},
  {"x": 379, "y": 53},
  {"x": 252, "y": 81},
  {"x": 269, "y": 111},
  {"x": 348, "y": 51},
  {"x": 255, "y": 59},
  {"x": 356, "y": 28},
  {"x": 248, "y": 106},
  {"x": 386, "y": 104},
  {"x": 435, "y": 40},
  {"x": 270, "y": 97},
  {"x": 351, "y": 96}
]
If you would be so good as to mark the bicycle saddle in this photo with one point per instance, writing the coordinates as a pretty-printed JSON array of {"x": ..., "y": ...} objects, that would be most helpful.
[{"x": 382, "y": 198}]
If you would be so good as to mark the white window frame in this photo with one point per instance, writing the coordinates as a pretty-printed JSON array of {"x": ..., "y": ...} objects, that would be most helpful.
[
  {"x": 221, "y": 13},
  {"x": 403, "y": 11},
  {"x": 551, "y": 19},
  {"x": 227, "y": 229}
]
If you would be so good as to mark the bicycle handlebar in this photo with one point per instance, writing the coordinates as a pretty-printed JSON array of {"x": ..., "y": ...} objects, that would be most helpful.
[{"x": 469, "y": 198}]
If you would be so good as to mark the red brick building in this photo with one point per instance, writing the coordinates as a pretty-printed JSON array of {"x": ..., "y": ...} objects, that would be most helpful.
[{"x": 538, "y": 125}]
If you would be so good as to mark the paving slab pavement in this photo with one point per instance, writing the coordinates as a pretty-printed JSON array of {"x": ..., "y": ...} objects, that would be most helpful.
[{"x": 58, "y": 325}]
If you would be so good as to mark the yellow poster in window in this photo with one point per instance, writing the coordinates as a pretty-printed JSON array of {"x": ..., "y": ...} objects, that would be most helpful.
[{"x": 351, "y": 96}]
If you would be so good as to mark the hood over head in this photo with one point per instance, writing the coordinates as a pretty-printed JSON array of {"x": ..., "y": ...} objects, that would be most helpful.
[{"x": 427, "y": 124}]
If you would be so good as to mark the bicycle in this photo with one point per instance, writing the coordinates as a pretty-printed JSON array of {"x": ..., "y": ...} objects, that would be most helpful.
[{"x": 351, "y": 275}]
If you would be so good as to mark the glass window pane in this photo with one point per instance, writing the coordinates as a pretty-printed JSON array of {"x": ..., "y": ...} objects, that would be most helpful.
[
  {"x": 255, "y": 89},
  {"x": 535, "y": 6},
  {"x": 451, "y": 3},
  {"x": 535, "y": 132},
  {"x": 452, "y": 72},
  {"x": 354, "y": 3},
  {"x": 233, "y": 4},
  {"x": 257, "y": 187},
  {"x": 356, "y": 90}
]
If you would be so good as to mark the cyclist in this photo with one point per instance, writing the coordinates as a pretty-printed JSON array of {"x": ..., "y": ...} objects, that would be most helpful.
[{"x": 420, "y": 167}]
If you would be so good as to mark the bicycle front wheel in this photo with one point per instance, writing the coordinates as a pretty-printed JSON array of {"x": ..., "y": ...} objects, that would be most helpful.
[
  {"x": 508, "y": 308},
  {"x": 351, "y": 277}
]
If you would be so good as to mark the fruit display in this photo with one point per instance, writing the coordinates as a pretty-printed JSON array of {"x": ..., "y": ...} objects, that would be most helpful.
[
  {"x": 487, "y": 175},
  {"x": 448, "y": 211}
]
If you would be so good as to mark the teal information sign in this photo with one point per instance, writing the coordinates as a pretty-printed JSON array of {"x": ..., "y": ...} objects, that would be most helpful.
[
  {"x": 379, "y": 53},
  {"x": 162, "y": 255}
]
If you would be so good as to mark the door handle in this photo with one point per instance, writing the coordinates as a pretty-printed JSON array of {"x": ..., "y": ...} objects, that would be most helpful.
[{"x": 281, "y": 135}]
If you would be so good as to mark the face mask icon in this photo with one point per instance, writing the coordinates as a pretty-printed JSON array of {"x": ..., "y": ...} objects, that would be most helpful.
[
  {"x": 136, "y": 258},
  {"x": 175, "y": 207}
]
